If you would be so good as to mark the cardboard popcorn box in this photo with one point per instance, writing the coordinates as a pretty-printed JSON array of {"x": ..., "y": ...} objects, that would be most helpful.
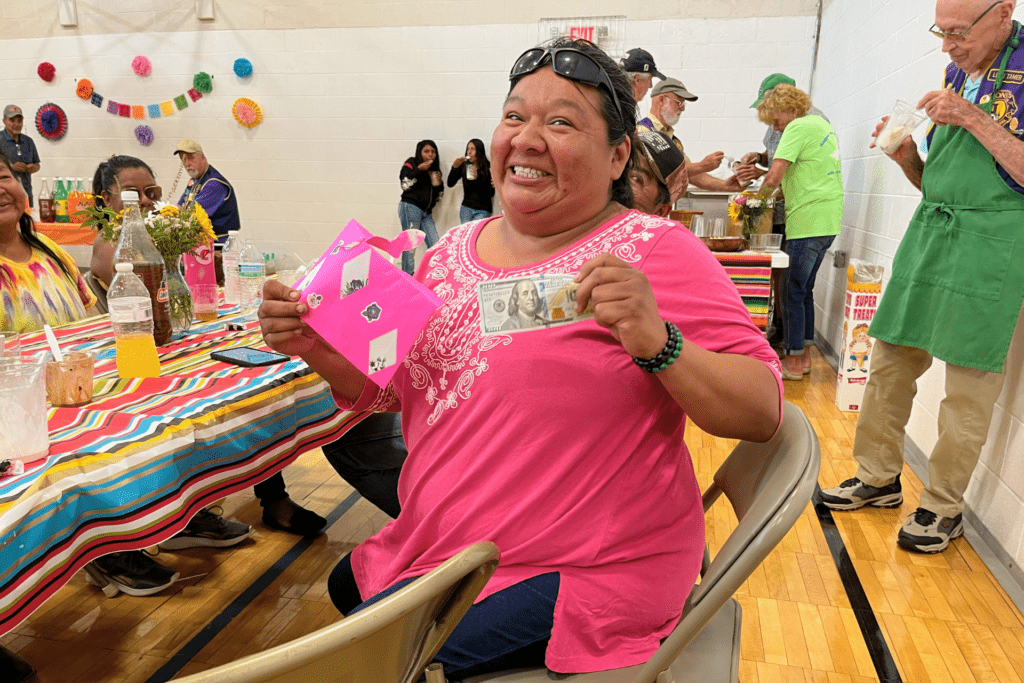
[
  {"x": 855, "y": 348},
  {"x": 364, "y": 306}
]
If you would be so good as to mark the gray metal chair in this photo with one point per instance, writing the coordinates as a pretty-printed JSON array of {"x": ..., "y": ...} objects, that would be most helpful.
[
  {"x": 390, "y": 641},
  {"x": 768, "y": 485}
]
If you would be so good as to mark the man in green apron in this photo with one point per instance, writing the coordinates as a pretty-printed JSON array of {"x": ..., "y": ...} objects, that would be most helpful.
[{"x": 957, "y": 281}]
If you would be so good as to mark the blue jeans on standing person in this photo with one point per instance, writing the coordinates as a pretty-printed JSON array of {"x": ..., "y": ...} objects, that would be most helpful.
[
  {"x": 805, "y": 256},
  {"x": 467, "y": 214},
  {"x": 509, "y": 629},
  {"x": 412, "y": 217}
]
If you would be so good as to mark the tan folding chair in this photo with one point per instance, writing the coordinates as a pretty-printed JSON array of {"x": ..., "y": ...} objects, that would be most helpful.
[
  {"x": 391, "y": 641},
  {"x": 768, "y": 486}
]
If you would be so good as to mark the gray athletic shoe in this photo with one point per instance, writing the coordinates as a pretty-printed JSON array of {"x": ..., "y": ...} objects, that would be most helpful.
[
  {"x": 926, "y": 532},
  {"x": 134, "y": 573},
  {"x": 853, "y": 494},
  {"x": 208, "y": 530}
]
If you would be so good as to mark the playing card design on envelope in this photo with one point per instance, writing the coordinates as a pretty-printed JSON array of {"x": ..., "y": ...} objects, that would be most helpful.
[{"x": 362, "y": 305}]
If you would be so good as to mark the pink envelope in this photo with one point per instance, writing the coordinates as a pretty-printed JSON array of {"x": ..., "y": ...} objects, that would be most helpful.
[{"x": 362, "y": 305}]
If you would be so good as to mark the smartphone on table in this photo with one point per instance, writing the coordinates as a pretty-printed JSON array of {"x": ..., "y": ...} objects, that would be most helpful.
[{"x": 248, "y": 357}]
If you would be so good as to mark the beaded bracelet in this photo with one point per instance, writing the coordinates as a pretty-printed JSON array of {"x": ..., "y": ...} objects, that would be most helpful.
[{"x": 667, "y": 356}]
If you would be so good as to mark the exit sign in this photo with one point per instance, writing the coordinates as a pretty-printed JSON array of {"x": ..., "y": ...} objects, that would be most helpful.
[{"x": 605, "y": 32}]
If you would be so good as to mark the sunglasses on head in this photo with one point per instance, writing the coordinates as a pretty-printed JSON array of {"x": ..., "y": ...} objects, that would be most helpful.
[{"x": 567, "y": 62}]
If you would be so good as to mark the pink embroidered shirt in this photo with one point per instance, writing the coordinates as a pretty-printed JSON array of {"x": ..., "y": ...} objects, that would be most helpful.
[{"x": 554, "y": 445}]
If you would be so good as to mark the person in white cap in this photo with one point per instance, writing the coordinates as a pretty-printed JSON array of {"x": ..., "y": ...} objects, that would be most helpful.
[{"x": 19, "y": 148}]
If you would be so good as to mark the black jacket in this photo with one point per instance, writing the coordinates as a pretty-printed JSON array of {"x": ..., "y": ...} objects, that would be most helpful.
[
  {"x": 479, "y": 193},
  {"x": 417, "y": 188}
]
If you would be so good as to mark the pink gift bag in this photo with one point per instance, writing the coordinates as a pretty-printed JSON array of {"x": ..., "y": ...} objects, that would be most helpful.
[{"x": 362, "y": 305}]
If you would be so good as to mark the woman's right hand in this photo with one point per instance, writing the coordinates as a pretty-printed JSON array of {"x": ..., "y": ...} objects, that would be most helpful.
[
  {"x": 459, "y": 162},
  {"x": 283, "y": 329},
  {"x": 425, "y": 165}
]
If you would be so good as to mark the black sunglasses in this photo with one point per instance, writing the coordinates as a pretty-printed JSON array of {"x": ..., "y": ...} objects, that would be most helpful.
[{"x": 567, "y": 62}]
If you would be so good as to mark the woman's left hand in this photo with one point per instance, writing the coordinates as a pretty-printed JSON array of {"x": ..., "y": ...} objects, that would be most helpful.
[{"x": 623, "y": 301}]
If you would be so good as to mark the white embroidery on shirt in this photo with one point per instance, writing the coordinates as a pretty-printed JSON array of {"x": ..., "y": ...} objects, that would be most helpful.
[{"x": 450, "y": 351}]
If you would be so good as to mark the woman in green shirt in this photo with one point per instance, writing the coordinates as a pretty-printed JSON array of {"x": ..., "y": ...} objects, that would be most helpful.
[{"x": 807, "y": 167}]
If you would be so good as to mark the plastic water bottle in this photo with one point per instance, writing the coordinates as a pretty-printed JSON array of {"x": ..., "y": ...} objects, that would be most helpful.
[
  {"x": 135, "y": 246},
  {"x": 230, "y": 253},
  {"x": 251, "y": 274},
  {"x": 131, "y": 315}
]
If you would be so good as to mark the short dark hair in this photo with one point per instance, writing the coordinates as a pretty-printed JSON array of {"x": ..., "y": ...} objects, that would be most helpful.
[
  {"x": 105, "y": 178},
  {"x": 621, "y": 124}
]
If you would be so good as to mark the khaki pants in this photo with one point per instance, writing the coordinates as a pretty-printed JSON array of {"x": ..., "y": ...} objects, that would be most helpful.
[{"x": 964, "y": 417}]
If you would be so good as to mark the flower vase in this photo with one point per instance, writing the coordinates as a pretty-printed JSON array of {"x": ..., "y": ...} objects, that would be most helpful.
[{"x": 179, "y": 296}]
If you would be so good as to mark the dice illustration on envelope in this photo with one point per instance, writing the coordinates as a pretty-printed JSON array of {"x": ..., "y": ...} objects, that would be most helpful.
[{"x": 362, "y": 305}]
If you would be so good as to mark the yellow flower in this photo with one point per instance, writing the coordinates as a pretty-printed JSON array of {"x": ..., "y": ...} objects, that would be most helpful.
[
  {"x": 734, "y": 211},
  {"x": 169, "y": 211},
  {"x": 204, "y": 221}
]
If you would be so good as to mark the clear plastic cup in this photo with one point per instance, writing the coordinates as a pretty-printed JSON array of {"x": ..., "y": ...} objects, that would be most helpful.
[
  {"x": 718, "y": 228},
  {"x": 204, "y": 302},
  {"x": 903, "y": 120},
  {"x": 698, "y": 226},
  {"x": 23, "y": 428},
  {"x": 69, "y": 382},
  {"x": 10, "y": 343}
]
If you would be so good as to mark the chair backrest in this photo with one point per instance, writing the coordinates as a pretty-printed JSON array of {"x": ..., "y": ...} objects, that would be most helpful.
[
  {"x": 391, "y": 641},
  {"x": 769, "y": 485}
]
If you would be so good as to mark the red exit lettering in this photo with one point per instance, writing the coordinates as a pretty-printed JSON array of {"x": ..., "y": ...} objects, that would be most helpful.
[{"x": 584, "y": 32}]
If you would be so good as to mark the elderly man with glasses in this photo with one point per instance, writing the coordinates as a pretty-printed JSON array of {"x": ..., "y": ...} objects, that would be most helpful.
[
  {"x": 957, "y": 286},
  {"x": 668, "y": 101}
]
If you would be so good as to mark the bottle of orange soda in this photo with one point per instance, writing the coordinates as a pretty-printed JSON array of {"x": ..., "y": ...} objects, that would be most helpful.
[{"x": 131, "y": 314}]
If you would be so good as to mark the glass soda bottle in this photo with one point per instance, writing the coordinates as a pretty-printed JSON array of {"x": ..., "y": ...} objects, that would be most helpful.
[
  {"x": 136, "y": 247},
  {"x": 131, "y": 315},
  {"x": 251, "y": 274},
  {"x": 60, "y": 202},
  {"x": 45, "y": 203},
  {"x": 230, "y": 253}
]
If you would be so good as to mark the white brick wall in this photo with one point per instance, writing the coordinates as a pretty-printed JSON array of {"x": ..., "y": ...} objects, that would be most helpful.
[
  {"x": 344, "y": 107},
  {"x": 873, "y": 52}
]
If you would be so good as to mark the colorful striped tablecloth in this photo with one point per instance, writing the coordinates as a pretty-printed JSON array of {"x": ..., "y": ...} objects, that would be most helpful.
[
  {"x": 132, "y": 467},
  {"x": 751, "y": 272}
]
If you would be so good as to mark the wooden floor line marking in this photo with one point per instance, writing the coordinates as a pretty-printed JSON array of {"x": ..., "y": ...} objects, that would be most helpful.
[
  {"x": 190, "y": 649},
  {"x": 881, "y": 657}
]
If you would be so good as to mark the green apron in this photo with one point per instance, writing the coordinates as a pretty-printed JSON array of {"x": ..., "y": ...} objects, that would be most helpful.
[{"x": 957, "y": 280}]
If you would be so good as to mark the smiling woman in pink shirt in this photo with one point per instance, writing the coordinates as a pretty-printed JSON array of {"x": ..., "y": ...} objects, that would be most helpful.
[{"x": 563, "y": 444}]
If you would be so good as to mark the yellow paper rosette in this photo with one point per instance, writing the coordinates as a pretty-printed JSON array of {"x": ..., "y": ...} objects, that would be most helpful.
[{"x": 247, "y": 112}]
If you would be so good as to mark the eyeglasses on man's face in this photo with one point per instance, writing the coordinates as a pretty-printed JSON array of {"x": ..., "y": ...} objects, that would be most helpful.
[{"x": 961, "y": 35}]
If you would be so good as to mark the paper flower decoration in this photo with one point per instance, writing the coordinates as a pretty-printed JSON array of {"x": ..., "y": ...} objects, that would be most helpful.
[
  {"x": 46, "y": 71},
  {"x": 247, "y": 112},
  {"x": 203, "y": 82},
  {"x": 144, "y": 134},
  {"x": 84, "y": 89},
  {"x": 51, "y": 121},
  {"x": 243, "y": 67},
  {"x": 142, "y": 66}
]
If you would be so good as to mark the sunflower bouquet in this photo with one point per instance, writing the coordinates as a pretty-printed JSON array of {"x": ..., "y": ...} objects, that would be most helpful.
[
  {"x": 174, "y": 231},
  {"x": 748, "y": 207}
]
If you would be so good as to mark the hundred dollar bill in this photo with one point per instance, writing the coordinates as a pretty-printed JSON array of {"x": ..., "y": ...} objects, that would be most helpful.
[{"x": 529, "y": 303}]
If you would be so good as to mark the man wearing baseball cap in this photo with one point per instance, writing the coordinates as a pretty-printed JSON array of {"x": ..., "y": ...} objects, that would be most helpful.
[
  {"x": 640, "y": 70},
  {"x": 668, "y": 101},
  {"x": 659, "y": 175},
  {"x": 209, "y": 188},
  {"x": 19, "y": 149}
]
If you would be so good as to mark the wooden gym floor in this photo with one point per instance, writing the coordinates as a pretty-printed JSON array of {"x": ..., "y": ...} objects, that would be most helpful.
[{"x": 887, "y": 615}]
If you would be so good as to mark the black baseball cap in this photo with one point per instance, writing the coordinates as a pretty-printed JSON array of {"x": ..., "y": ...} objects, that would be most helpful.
[
  {"x": 661, "y": 153},
  {"x": 639, "y": 60}
]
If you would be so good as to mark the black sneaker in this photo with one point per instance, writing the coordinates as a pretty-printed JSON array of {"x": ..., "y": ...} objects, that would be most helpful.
[
  {"x": 208, "y": 530},
  {"x": 134, "y": 573},
  {"x": 926, "y": 532},
  {"x": 853, "y": 494}
]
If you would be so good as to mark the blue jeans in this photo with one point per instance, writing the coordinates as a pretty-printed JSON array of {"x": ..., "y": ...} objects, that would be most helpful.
[
  {"x": 412, "y": 217},
  {"x": 467, "y": 214},
  {"x": 370, "y": 457},
  {"x": 507, "y": 630},
  {"x": 805, "y": 256}
]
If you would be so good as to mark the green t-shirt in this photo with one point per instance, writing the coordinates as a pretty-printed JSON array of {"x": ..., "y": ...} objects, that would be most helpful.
[{"x": 813, "y": 184}]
